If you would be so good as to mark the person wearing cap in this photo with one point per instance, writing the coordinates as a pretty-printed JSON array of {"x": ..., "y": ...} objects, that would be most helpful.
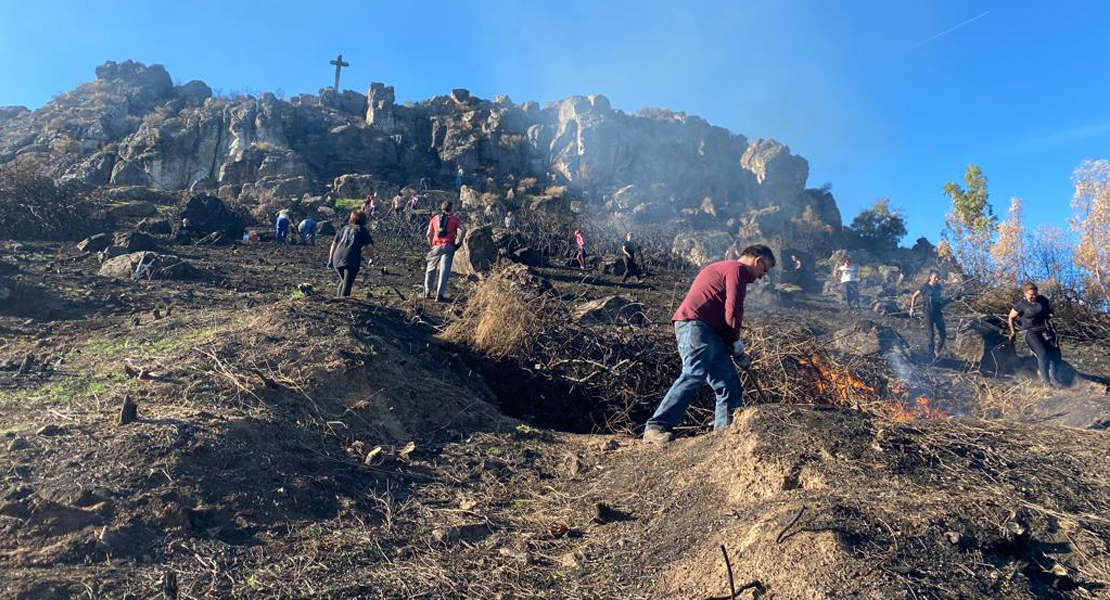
[
  {"x": 282, "y": 226},
  {"x": 707, "y": 326},
  {"x": 445, "y": 232}
]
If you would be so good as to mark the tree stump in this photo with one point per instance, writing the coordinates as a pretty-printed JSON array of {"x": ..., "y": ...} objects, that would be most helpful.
[{"x": 128, "y": 412}]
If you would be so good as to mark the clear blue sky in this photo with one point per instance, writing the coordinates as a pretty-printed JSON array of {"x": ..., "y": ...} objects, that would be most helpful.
[{"x": 884, "y": 98}]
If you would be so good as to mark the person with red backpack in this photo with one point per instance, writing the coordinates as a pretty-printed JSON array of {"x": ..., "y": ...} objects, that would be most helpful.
[{"x": 445, "y": 232}]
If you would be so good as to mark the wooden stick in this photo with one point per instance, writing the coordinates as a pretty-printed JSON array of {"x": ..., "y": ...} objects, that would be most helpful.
[{"x": 728, "y": 565}]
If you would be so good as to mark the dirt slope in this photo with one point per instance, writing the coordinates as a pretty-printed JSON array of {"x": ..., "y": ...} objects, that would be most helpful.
[{"x": 272, "y": 458}]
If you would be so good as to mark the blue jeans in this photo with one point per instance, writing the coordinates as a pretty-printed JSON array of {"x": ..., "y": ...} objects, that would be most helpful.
[
  {"x": 705, "y": 359},
  {"x": 308, "y": 236}
]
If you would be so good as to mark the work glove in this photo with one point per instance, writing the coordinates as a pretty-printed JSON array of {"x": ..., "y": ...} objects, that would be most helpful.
[
  {"x": 737, "y": 347},
  {"x": 911, "y": 312},
  {"x": 331, "y": 265}
]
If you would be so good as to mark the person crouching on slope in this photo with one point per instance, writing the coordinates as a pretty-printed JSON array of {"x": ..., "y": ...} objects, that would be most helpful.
[
  {"x": 345, "y": 254},
  {"x": 707, "y": 327}
]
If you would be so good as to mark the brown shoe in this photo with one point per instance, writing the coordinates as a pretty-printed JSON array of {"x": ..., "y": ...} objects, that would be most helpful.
[{"x": 654, "y": 435}]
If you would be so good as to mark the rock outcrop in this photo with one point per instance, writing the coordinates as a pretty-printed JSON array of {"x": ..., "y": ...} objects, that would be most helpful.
[{"x": 133, "y": 127}]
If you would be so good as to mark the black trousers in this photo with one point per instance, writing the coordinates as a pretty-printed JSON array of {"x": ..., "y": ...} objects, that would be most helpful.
[
  {"x": 851, "y": 293},
  {"x": 346, "y": 280},
  {"x": 934, "y": 322},
  {"x": 631, "y": 269},
  {"x": 1044, "y": 347}
]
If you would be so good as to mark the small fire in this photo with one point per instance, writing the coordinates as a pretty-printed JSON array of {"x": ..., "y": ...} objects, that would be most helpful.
[
  {"x": 842, "y": 388},
  {"x": 922, "y": 408}
]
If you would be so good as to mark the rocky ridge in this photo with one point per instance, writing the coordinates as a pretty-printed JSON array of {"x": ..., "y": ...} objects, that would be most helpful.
[{"x": 133, "y": 127}]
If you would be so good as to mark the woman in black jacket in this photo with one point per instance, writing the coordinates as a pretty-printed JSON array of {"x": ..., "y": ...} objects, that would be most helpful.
[{"x": 1032, "y": 313}]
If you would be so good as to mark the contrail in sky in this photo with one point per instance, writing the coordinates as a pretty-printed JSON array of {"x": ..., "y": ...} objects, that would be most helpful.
[{"x": 951, "y": 29}]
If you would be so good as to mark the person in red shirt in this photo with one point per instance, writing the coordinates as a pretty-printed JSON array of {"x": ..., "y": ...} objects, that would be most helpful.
[
  {"x": 707, "y": 326},
  {"x": 445, "y": 233}
]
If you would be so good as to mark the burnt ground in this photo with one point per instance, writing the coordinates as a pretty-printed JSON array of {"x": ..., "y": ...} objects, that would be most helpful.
[{"x": 292, "y": 446}]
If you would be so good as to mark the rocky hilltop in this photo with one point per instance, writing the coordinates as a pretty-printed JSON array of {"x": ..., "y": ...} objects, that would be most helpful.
[{"x": 133, "y": 127}]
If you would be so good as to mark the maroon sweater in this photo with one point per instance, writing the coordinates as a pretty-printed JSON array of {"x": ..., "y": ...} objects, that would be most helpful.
[{"x": 716, "y": 298}]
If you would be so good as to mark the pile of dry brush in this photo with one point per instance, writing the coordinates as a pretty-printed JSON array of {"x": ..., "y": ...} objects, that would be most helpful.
[{"x": 609, "y": 378}]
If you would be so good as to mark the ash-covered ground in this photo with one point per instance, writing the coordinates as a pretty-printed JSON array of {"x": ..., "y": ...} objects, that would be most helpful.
[{"x": 292, "y": 446}]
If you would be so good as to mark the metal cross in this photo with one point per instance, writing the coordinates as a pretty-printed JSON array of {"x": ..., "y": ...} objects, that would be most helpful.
[{"x": 339, "y": 64}]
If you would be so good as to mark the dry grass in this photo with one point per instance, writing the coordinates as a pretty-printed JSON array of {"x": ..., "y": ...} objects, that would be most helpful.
[{"x": 500, "y": 318}]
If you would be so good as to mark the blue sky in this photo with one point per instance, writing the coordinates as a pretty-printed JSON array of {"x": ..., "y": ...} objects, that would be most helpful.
[{"x": 883, "y": 98}]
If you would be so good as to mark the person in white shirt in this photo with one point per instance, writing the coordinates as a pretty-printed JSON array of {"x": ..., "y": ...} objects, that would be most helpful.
[{"x": 849, "y": 282}]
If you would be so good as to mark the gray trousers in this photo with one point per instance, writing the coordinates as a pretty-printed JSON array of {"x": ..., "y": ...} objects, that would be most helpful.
[{"x": 439, "y": 257}]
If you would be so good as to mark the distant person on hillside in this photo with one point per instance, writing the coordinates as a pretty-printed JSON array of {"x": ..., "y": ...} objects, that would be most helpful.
[
  {"x": 424, "y": 184},
  {"x": 370, "y": 204},
  {"x": 445, "y": 232},
  {"x": 707, "y": 326},
  {"x": 849, "y": 282},
  {"x": 797, "y": 270},
  {"x": 1032, "y": 313},
  {"x": 184, "y": 233},
  {"x": 459, "y": 179},
  {"x": 282, "y": 226},
  {"x": 398, "y": 205},
  {"x": 510, "y": 220},
  {"x": 628, "y": 255},
  {"x": 345, "y": 254},
  {"x": 580, "y": 245},
  {"x": 307, "y": 229},
  {"x": 932, "y": 303}
]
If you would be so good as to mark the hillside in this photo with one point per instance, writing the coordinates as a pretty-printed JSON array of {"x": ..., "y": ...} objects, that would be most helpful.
[{"x": 292, "y": 446}]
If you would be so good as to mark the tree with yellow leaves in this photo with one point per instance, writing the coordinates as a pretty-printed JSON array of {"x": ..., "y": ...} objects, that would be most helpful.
[
  {"x": 1091, "y": 223},
  {"x": 1008, "y": 251}
]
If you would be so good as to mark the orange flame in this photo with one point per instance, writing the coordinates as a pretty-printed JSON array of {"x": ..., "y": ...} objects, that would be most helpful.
[
  {"x": 840, "y": 388},
  {"x": 921, "y": 409}
]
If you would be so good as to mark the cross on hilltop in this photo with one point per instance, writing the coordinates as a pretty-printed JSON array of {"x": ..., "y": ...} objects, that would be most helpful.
[{"x": 339, "y": 64}]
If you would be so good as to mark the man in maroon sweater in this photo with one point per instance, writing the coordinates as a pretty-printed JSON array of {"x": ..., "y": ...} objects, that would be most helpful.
[{"x": 707, "y": 326}]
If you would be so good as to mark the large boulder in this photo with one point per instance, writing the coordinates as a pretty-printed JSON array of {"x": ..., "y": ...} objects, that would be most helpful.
[
  {"x": 701, "y": 247},
  {"x": 135, "y": 241},
  {"x": 611, "y": 310},
  {"x": 980, "y": 342},
  {"x": 781, "y": 175},
  {"x": 477, "y": 254},
  {"x": 871, "y": 339},
  {"x": 207, "y": 214},
  {"x": 359, "y": 185},
  {"x": 145, "y": 265},
  {"x": 155, "y": 226},
  {"x": 95, "y": 243}
]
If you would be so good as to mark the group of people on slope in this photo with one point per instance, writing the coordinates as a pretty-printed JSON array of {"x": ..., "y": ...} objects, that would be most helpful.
[
  {"x": 708, "y": 325},
  {"x": 628, "y": 250},
  {"x": 444, "y": 233},
  {"x": 398, "y": 205},
  {"x": 283, "y": 226}
]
